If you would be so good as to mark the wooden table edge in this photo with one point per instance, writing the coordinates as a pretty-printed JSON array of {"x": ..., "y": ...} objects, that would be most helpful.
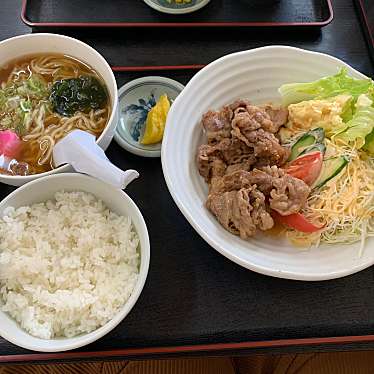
[{"x": 184, "y": 349}]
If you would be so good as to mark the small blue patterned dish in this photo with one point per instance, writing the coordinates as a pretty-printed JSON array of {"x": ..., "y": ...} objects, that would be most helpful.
[
  {"x": 136, "y": 99},
  {"x": 172, "y": 7}
]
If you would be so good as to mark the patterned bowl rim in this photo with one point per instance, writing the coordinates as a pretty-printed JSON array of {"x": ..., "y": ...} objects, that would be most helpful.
[{"x": 122, "y": 141}]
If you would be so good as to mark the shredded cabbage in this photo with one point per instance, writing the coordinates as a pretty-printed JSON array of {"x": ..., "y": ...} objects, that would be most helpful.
[{"x": 345, "y": 204}]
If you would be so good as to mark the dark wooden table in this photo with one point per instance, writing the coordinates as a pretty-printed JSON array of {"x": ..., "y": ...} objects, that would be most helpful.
[{"x": 195, "y": 301}]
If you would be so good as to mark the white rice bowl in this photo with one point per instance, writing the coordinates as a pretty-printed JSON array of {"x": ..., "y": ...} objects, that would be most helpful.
[{"x": 66, "y": 266}]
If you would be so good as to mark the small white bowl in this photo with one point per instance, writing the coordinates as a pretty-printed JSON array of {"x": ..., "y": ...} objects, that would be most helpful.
[
  {"x": 255, "y": 74},
  {"x": 116, "y": 200},
  {"x": 177, "y": 9},
  {"x": 29, "y": 44},
  {"x": 142, "y": 93}
]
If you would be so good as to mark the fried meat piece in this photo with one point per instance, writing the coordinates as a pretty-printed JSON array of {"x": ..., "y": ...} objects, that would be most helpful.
[
  {"x": 286, "y": 194},
  {"x": 241, "y": 212}
]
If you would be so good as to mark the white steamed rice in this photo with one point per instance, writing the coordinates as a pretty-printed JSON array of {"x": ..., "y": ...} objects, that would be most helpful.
[{"x": 67, "y": 266}]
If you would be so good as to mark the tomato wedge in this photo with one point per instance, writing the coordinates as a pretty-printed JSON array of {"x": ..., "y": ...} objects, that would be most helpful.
[
  {"x": 296, "y": 221},
  {"x": 307, "y": 167}
]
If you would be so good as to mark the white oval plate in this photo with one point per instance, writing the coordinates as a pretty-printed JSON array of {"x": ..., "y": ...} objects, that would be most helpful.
[
  {"x": 177, "y": 9},
  {"x": 256, "y": 75}
]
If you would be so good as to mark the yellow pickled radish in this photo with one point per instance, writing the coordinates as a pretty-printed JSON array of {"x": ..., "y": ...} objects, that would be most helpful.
[{"x": 156, "y": 120}]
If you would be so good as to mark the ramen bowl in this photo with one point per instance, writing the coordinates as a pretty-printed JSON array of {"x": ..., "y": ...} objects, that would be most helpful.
[
  {"x": 118, "y": 202},
  {"x": 255, "y": 75},
  {"x": 19, "y": 46}
]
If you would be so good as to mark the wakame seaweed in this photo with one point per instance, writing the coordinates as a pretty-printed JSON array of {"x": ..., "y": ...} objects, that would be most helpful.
[{"x": 69, "y": 96}]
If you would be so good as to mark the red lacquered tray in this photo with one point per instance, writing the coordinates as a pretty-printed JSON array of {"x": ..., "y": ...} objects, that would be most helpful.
[
  {"x": 218, "y": 13},
  {"x": 366, "y": 12}
]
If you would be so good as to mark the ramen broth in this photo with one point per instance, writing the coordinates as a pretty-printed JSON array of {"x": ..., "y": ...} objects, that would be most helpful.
[{"x": 36, "y": 90}]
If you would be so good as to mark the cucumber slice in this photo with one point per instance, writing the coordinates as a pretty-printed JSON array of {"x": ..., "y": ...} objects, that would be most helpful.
[
  {"x": 319, "y": 134},
  {"x": 301, "y": 145},
  {"x": 330, "y": 168},
  {"x": 308, "y": 139},
  {"x": 318, "y": 147}
]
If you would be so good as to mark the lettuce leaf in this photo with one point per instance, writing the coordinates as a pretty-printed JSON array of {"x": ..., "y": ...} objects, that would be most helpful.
[
  {"x": 361, "y": 124},
  {"x": 348, "y": 110},
  {"x": 340, "y": 83}
]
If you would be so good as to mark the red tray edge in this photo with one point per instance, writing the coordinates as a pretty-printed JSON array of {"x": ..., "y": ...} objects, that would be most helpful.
[
  {"x": 175, "y": 24},
  {"x": 155, "y": 68},
  {"x": 202, "y": 348},
  {"x": 364, "y": 17}
]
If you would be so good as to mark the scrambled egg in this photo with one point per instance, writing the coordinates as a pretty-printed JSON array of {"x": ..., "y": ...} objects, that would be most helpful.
[
  {"x": 318, "y": 113},
  {"x": 156, "y": 120}
]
